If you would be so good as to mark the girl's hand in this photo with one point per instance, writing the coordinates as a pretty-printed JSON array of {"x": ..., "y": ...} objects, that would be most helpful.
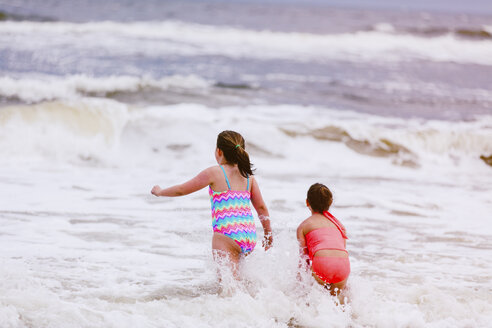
[
  {"x": 268, "y": 240},
  {"x": 156, "y": 190}
]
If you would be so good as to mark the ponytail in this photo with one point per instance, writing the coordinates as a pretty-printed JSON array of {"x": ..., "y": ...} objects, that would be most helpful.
[
  {"x": 233, "y": 146},
  {"x": 243, "y": 163}
]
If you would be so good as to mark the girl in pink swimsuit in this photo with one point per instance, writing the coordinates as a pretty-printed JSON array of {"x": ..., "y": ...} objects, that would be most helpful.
[{"x": 322, "y": 239}]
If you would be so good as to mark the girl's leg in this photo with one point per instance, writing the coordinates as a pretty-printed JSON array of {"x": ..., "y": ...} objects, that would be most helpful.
[
  {"x": 335, "y": 289},
  {"x": 226, "y": 250}
]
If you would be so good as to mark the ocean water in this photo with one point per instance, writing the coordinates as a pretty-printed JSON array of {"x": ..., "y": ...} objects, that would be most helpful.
[{"x": 390, "y": 105}]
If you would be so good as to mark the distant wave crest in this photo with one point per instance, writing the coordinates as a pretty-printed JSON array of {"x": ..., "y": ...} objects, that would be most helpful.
[{"x": 188, "y": 39}]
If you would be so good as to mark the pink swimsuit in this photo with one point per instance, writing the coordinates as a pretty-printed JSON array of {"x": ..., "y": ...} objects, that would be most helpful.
[{"x": 329, "y": 268}]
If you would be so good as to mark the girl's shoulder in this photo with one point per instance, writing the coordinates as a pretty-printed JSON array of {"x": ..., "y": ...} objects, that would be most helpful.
[
  {"x": 316, "y": 221},
  {"x": 304, "y": 225},
  {"x": 212, "y": 173},
  {"x": 214, "y": 169}
]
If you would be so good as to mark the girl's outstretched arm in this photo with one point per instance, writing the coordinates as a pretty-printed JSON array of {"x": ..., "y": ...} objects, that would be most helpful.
[
  {"x": 263, "y": 214},
  {"x": 202, "y": 180}
]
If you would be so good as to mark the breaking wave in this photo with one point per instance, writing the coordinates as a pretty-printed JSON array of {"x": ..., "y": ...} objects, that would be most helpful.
[{"x": 94, "y": 128}]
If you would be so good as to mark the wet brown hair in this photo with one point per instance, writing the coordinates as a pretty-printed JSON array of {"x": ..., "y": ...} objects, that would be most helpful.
[
  {"x": 233, "y": 146},
  {"x": 319, "y": 197}
]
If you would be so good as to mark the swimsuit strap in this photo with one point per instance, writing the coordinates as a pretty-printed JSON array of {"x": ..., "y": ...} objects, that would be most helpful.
[
  {"x": 227, "y": 180},
  {"x": 337, "y": 223},
  {"x": 247, "y": 186}
]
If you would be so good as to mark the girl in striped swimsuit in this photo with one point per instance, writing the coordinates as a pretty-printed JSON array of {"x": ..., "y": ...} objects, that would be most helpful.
[{"x": 232, "y": 190}]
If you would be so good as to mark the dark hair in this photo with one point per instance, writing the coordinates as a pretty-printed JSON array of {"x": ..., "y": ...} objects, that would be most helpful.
[
  {"x": 319, "y": 197},
  {"x": 232, "y": 145}
]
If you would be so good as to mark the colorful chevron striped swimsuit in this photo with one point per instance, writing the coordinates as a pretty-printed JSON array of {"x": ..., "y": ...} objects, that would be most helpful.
[{"x": 232, "y": 216}]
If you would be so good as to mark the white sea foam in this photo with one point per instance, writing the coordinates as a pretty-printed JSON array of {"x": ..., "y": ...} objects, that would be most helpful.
[
  {"x": 187, "y": 39},
  {"x": 38, "y": 88},
  {"x": 384, "y": 27}
]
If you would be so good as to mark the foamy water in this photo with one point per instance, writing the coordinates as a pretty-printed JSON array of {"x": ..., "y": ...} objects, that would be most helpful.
[{"x": 84, "y": 244}]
